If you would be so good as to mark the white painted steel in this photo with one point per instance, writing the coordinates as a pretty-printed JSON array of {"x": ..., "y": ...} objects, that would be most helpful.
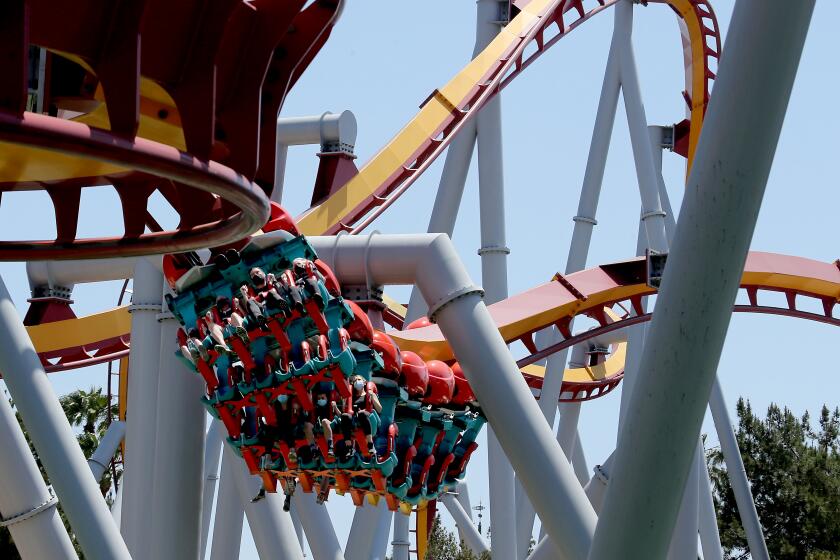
[
  {"x": 321, "y": 129},
  {"x": 401, "y": 543},
  {"x": 100, "y": 460},
  {"x": 22, "y": 490},
  {"x": 584, "y": 223},
  {"x": 230, "y": 511},
  {"x": 733, "y": 159},
  {"x": 709, "y": 536},
  {"x": 179, "y": 453},
  {"x": 141, "y": 409},
  {"x": 212, "y": 459},
  {"x": 318, "y": 527},
  {"x": 737, "y": 474},
  {"x": 431, "y": 262},
  {"x": 470, "y": 535},
  {"x": 271, "y": 527},
  {"x": 54, "y": 441}
]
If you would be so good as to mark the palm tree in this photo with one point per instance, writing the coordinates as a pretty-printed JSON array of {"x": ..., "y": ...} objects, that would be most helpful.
[{"x": 90, "y": 410}]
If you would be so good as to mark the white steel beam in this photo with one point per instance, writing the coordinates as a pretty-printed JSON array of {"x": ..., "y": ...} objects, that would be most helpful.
[
  {"x": 733, "y": 159},
  {"x": 27, "y": 509},
  {"x": 54, "y": 440},
  {"x": 141, "y": 410},
  {"x": 179, "y": 453}
]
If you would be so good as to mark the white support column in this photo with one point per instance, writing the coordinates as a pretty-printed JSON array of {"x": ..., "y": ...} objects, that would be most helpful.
[
  {"x": 54, "y": 441},
  {"x": 230, "y": 512},
  {"x": 401, "y": 543},
  {"x": 298, "y": 530},
  {"x": 318, "y": 527},
  {"x": 709, "y": 536},
  {"x": 141, "y": 411},
  {"x": 212, "y": 457},
  {"x": 458, "y": 155},
  {"x": 652, "y": 215},
  {"x": 737, "y": 474},
  {"x": 579, "y": 463},
  {"x": 379, "y": 544},
  {"x": 27, "y": 508},
  {"x": 116, "y": 507},
  {"x": 179, "y": 454},
  {"x": 101, "y": 458},
  {"x": 584, "y": 223},
  {"x": 362, "y": 531},
  {"x": 658, "y": 442},
  {"x": 463, "y": 497},
  {"x": 270, "y": 526},
  {"x": 470, "y": 535},
  {"x": 684, "y": 536}
]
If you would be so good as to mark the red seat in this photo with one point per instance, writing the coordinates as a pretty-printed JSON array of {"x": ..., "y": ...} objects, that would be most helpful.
[
  {"x": 414, "y": 376},
  {"x": 441, "y": 383},
  {"x": 463, "y": 392}
]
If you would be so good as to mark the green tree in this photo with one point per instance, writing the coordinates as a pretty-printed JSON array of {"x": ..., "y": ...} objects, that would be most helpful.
[
  {"x": 443, "y": 545},
  {"x": 794, "y": 471},
  {"x": 90, "y": 411}
]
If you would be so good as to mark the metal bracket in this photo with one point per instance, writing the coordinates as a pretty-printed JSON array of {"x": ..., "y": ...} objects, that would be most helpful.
[
  {"x": 563, "y": 281},
  {"x": 493, "y": 249},
  {"x": 51, "y": 502},
  {"x": 655, "y": 267},
  {"x": 144, "y": 307},
  {"x": 436, "y": 307}
]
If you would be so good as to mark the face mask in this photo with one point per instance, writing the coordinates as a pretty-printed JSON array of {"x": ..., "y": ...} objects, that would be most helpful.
[
  {"x": 283, "y": 398},
  {"x": 322, "y": 402},
  {"x": 359, "y": 385}
]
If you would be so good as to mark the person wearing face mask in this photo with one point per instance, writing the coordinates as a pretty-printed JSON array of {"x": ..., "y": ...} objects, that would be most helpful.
[
  {"x": 363, "y": 401},
  {"x": 323, "y": 413},
  {"x": 289, "y": 416}
]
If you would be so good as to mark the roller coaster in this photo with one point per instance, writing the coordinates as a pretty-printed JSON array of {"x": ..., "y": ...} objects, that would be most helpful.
[{"x": 271, "y": 336}]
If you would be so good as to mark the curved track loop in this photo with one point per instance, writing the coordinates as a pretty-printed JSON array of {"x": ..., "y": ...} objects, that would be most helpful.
[
  {"x": 165, "y": 162},
  {"x": 397, "y": 165},
  {"x": 183, "y": 89}
]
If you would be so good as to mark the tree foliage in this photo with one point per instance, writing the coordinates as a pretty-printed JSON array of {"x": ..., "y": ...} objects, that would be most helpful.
[
  {"x": 794, "y": 471},
  {"x": 444, "y": 545}
]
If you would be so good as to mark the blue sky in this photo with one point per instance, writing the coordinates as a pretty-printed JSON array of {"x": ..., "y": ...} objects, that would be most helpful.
[{"x": 383, "y": 60}]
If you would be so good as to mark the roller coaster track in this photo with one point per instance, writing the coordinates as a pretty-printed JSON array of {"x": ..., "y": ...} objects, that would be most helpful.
[{"x": 445, "y": 112}]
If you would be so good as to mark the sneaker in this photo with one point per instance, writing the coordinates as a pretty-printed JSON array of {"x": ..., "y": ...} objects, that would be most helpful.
[
  {"x": 293, "y": 456},
  {"x": 330, "y": 452},
  {"x": 372, "y": 450},
  {"x": 202, "y": 351},
  {"x": 260, "y": 495},
  {"x": 242, "y": 333},
  {"x": 287, "y": 503}
]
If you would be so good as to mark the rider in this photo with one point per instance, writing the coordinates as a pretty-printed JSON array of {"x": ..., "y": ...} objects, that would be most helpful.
[
  {"x": 323, "y": 413},
  {"x": 363, "y": 401}
]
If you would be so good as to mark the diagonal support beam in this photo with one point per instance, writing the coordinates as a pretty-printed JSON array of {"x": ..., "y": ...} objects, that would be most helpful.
[{"x": 719, "y": 212}]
